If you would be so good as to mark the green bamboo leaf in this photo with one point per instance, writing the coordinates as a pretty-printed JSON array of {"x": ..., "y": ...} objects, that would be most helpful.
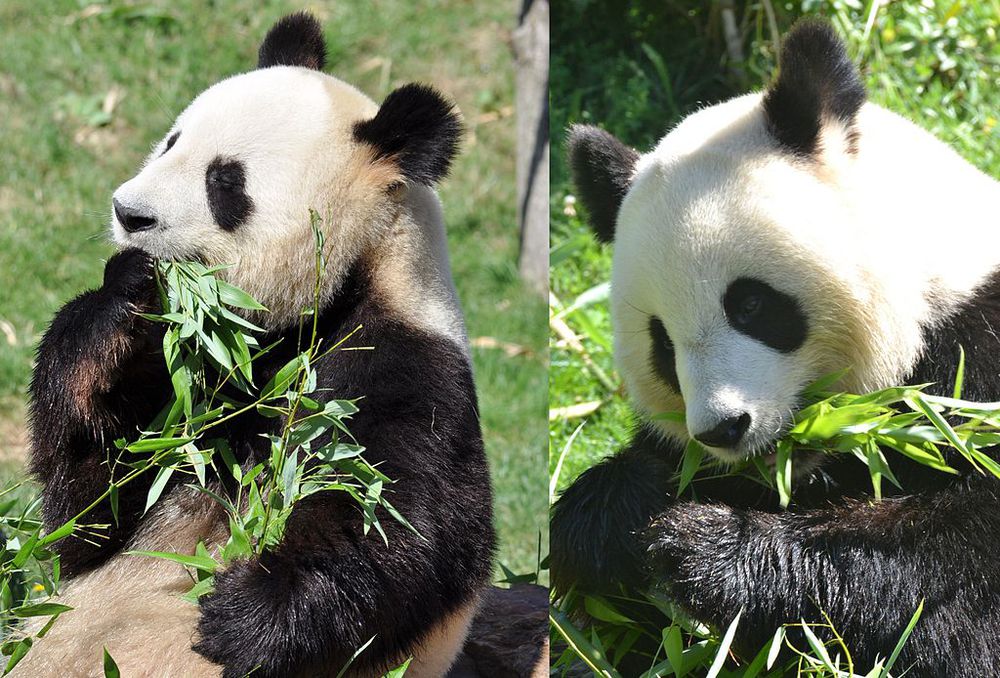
[
  {"x": 783, "y": 471},
  {"x": 40, "y": 610},
  {"x": 776, "y": 642},
  {"x": 231, "y": 295},
  {"x": 691, "y": 462},
  {"x": 902, "y": 641},
  {"x": 959, "y": 374},
  {"x": 60, "y": 532},
  {"x": 727, "y": 641},
  {"x": 20, "y": 649},
  {"x": 26, "y": 550},
  {"x": 158, "y": 444},
  {"x": 156, "y": 489},
  {"x": 202, "y": 563},
  {"x": 596, "y": 660},
  {"x": 673, "y": 645},
  {"x": 599, "y": 609},
  {"x": 110, "y": 667},
  {"x": 282, "y": 380},
  {"x": 918, "y": 402},
  {"x": 818, "y": 648}
]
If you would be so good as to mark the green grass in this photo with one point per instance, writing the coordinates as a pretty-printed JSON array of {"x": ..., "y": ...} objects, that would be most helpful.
[{"x": 62, "y": 159}]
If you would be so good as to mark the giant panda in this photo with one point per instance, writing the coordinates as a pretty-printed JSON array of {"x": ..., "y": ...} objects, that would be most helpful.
[
  {"x": 233, "y": 182},
  {"x": 763, "y": 243}
]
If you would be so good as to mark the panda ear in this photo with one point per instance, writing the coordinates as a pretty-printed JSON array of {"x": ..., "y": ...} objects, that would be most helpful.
[
  {"x": 418, "y": 129},
  {"x": 817, "y": 85},
  {"x": 295, "y": 40},
  {"x": 602, "y": 170}
]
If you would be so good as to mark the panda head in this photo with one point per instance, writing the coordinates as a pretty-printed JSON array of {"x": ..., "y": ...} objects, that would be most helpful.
[
  {"x": 234, "y": 180},
  {"x": 737, "y": 280}
]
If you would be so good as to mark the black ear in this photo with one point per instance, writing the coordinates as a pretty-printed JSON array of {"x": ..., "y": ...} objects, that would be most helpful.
[
  {"x": 418, "y": 129},
  {"x": 602, "y": 172},
  {"x": 816, "y": 83},
  {"x": 295, "y": 40}
]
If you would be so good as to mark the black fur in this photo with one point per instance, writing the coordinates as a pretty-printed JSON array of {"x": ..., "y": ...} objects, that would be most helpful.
[
  {"x": 225, "y": 186},
  {"x": 663, "y": 358},
  {"x": 98, "y": 376},
  {"x": 816, "y": 82},
  {"x": 294, "y": 40},
  {"x": 305, "y": 607},
  {"x": 602, "y": 172},
  {"x": 418, "y": 129},
  {"x": 727, "y": 546},
  {"x": 171, "y": 140},
  {"x": 777, "y": 320}
]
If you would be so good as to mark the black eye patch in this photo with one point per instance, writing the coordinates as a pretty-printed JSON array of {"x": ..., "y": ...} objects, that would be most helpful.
[
  {"x": 225, "y": 185},
  {"x": 761, "y": 312},
  {"x": 171, "y": 141},
  {"x": 662, "y": 357}
]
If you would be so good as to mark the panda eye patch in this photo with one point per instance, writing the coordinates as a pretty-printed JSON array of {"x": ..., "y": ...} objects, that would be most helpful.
[
  {"x": 662, "y": 355},
  {"x": 761, "y": 312},
  {"x": 225, "y": 186}
]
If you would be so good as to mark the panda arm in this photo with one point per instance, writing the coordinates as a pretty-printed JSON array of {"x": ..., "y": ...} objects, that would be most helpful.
[
  {"x": 95, "y": 380},
  {"x": 328, "y": 588},
  {"x": 596, "y": 524},
  {"x": 865, "y": 564}
]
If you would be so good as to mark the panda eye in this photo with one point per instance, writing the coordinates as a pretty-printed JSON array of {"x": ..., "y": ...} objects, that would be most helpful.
[
  {"x": 748, "y": 308},
  {"x": 170, "y": 142},
  {"x": 761, "y": 312},
  {"x": 225, "y": 177}
]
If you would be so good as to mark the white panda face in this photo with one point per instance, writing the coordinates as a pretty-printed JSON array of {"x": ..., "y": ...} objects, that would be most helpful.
[
  {"x": 234, "y": 180},
  {"x": 225, "y": 163},
  {"x": 728, "y": 292}
]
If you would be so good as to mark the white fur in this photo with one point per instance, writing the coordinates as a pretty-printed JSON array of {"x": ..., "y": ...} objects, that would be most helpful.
[
  {"x": 862, "y": 242},
  {"x": 292, "y": 130}
]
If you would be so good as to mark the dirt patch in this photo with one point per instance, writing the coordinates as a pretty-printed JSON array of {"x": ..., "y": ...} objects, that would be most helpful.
[{"x": 13, "y": 432}]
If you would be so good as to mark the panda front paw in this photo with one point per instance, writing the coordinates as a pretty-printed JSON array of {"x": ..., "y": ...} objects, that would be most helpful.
[
  {"x": 240, "y": 627},
  {"x": 694, "y": 552},
  {"x": 131, "y": 274}
]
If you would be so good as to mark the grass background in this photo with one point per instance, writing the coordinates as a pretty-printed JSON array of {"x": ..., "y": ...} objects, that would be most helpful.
[
  {"x": 65, "y": 148},
  {"x": 637, "y": 72}
]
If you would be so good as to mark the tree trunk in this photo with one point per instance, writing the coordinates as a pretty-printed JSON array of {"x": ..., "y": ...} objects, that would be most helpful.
[{"x": 531, "y": 54}]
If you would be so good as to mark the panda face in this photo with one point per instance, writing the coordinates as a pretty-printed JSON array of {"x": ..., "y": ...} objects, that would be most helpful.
[
  {"x": 729, "y": 292},
  {"x": 234, "y": 179},
  {"x": 224, "y": 164},
  {"x": 778, "y": 237}
]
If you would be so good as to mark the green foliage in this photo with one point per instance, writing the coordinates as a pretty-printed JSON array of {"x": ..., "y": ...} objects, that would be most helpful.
[
  {"x": 905, "y": 419},
  {"x": 620, "y": 626},
  {"x": 636, "y": 70}
]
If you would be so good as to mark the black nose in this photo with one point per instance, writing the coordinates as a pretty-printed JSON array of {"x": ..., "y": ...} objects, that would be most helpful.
[
  {"x": 726, "y": 433},
  {"x": 131, "y": 219}
]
